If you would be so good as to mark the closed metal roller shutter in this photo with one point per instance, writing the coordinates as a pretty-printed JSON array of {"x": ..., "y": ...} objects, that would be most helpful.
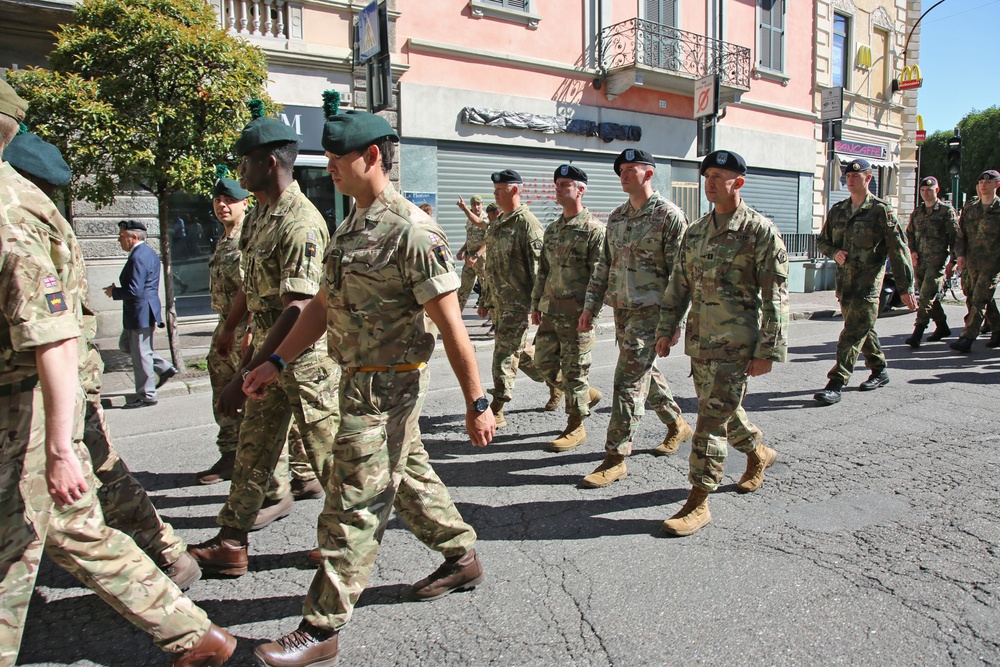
[{"x": 774, "y": 194}]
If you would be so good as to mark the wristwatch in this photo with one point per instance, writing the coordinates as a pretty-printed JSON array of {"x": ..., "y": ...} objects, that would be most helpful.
[{"x": 480, "y": 405}]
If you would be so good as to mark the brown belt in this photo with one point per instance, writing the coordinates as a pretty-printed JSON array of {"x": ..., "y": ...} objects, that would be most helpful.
[
  {"x": 27, "y": 384},
  {"x": 384, "y": 369}
]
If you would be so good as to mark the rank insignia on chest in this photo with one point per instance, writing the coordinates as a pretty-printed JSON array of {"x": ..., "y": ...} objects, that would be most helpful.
[
  {"x": 56, "y": 302},
  {"x": 441, "y": 253},
  {"x": 310, "y": 249},
  {"x": 710, "y": 256}
]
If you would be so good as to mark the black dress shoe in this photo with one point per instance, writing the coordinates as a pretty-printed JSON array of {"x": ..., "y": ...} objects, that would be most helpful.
[
  {"x": 138, "y": 403},
  {"x": 166, "y": 375},
  {"x": 875, "y": 380},
  {"x": 830, "y": 395},
  {"x": 963, "y": 345}
]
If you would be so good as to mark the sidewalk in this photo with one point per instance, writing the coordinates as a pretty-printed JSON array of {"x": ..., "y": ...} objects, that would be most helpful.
[{"x": 196, "y": 336}]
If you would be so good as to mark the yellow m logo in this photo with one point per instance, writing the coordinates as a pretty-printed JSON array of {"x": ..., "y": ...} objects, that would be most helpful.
[
  {"x": 863, "y": 60},
  {"x": 910, "y": 73}
]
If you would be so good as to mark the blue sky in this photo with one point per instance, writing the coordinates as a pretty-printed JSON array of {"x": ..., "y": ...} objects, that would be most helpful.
[{"x": 958, "y": 52}]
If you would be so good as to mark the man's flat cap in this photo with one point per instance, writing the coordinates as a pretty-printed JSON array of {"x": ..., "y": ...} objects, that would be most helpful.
[
  {"x": 989, "y": 175},
  {"x": 928, "y": 180},
  {"x": 28, "y": 153},
  {"x": 261, "y": 132},
  {"x": 10, "y": 103},
  {"x": 858, "y": 164},
  {"x": 636, "y": 155},
  {"x": 354, "y": 130},
  {"x": 727, "y": 160},
  {"x": 569, "y": 171},
  {"x": 229, "y": 187},
  {"x": 477, "y": 199},
  {"x": 506, "y": 176},
  {"x": 131, "y": 224}
]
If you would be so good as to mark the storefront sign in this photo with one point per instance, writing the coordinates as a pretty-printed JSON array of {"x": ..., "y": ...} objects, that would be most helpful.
[
  {"x": 864, "y": 150},
  {"x": 308, "y": 124}
]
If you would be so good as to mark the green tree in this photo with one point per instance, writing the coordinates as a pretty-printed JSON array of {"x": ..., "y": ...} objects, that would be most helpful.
[
  {"x": 148, "y": 94},
  {"x": 980, "y": 132}
]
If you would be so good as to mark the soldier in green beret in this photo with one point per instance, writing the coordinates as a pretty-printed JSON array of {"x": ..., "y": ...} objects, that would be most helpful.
[{"x": 388, "y": 276}]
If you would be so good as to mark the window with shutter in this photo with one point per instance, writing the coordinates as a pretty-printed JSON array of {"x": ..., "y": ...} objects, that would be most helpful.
[
  {"x": 517, "y": 5},
  {"x": 771, "y": 35}
]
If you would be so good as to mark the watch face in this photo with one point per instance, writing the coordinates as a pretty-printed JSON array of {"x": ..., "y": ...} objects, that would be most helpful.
[{"x": 480, "y": 404}]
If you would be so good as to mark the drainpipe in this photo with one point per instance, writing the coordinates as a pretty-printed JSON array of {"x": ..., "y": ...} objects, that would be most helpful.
[{"x": 599, "y": 81}]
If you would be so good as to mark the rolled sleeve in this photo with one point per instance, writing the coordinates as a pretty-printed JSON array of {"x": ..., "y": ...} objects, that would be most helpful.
[{"x": 436, "y": 286}]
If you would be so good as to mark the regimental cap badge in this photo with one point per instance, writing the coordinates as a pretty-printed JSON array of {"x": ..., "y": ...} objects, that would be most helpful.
[
  {"x": 629, "y": 155},
  {"x": 564, "y": 170},
  {"x": 722, "y": 157}
]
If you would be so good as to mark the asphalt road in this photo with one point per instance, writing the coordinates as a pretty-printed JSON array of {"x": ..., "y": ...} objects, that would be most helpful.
[{"x": 874, "y": 540}]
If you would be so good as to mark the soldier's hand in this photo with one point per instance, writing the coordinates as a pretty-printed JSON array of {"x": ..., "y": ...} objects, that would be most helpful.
[
  {"x": 481, "y": 426},
  {"x": 913, "y": 259},
  {"x": 64, "y": 478},
  {"x": 245, "y": 343},
  {"x": 224, "y": 343},
  {"x": 232, "y": 398},
  {"x": 840, "y": 257},
  {"x": 586, "y": 322},
  {"x": 663, "y": 346},
  {"x": 461, "y": 202},
  {"x": 535, "y": 317},
  {"x": 482, "y": 312},
  {"x": 256, "y": 382},
  {"x": 909, "y": 300},
  {"x": 759, "y": 367}
]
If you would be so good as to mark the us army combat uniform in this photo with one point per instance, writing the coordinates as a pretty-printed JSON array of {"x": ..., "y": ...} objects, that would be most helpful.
[
  {"x": 513, "y": 244},
  {"x": 570, "y": 252},
  {"x": 634, "y": 267},
  {"x": 931, "y": 234},
  {"x": 979, "y": 243},
  {"x": 283, "y": 255},
  {"x": 868, "y": 235},
  {"x": 475, "y": 237},
  {"x": 733, "y": 271},
  {"x": 382, "y": 265},
  {"x": 41, "y": 282}
]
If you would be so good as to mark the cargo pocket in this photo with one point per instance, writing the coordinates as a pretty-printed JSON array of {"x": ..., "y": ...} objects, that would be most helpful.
[
  {"x": 316, "y": 385},
  {"x": 361, "y": 466}
]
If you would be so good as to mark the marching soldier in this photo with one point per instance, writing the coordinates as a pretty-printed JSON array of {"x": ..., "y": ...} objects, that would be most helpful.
[
  {"x": 475, "y": 239},
  {"x": 978, "y": 250},
  {"x": 732, "y": 269}
]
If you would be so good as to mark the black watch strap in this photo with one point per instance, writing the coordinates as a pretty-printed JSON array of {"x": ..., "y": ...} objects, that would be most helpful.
[{"x": 480, "y": 405}]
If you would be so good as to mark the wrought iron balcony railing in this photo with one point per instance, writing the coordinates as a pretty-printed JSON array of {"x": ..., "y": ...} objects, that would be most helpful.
[{"x": 637, "y": 42}]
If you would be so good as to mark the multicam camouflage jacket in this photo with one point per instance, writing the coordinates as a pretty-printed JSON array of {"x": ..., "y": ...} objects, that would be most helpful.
[
  {"x": 979, "y": 236},
  {"x": 570, "y": 252},
  {"x": 735, "y": 278},
  {"x": 225, "y": 272},
  {"x": 932, "y": 233},
  {"x": 513, "y": 245}
]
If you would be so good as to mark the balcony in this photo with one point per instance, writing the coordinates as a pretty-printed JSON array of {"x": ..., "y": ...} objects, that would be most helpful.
[{"x": 643, "y": 53}]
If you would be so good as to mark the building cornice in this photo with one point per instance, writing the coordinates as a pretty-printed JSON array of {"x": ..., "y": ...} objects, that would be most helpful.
[
  {"x": 494, "y": 58},
  {"x": 801, "y": 114}
]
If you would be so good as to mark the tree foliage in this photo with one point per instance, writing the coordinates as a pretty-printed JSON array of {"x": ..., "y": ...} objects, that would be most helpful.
[{"x": 980, "y": 132}]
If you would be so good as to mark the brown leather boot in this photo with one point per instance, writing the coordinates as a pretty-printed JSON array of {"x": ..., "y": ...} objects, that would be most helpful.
[
  {"x": 305, "y": 647},
  {"x": 272, "y": 511},
  {"x": 573, "y": 436},
  {"x": 184, "y": 571},
  {"x": 225, "y": 554},
  {"x": 677, "y": 433},
  {"x": 555, "y": 398},
  {"x": 221, "y": 470},
  {"x": 759, "y": 459},
  {"x": 692, "y": 517},
  {"x": 497, "y": 408},
  {"x": 594, "y": 396},
  {"x": 212, "y": 650},
  {"x": 612, "y": 469},
  {"x": 308, "y": 489},
  {"x": 458, "y": 573}
]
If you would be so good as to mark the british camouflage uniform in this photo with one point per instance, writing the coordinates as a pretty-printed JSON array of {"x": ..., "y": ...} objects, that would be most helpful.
[
  {"x": 379, "y": 271},
  {"x": 570, "y": 252},
  {"x": 475, "y": 236},
  {"x": 513, "y": 244},
  {"x": 978, "y": 242},
  {"x": 41, "y": 288},
  {"x": 631, "y": 275},
  {"x": 283, "y": 255},
  {"x": 869, "y": 235},
  {"x": 931, "y": 234},
  {"x": 733, "y": 272}
]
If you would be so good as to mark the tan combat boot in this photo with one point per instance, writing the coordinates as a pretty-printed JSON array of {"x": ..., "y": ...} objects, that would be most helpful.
[
  {"x": 573, "y": 436},
  {"x": 612, "y": 469},
  {"x": 555, "y": 398},
  {"x": 692, "y": 517},
  {"x": 677, "y": 433},
  {"x": 497, "y": 408},
  {"x": 758, "y": 460},
  {"x": 594, "y": 396}
]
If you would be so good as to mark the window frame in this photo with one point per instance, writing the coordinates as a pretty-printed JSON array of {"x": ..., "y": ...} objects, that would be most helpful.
[
  {"x": 761, "y": 27},
  {"x": 846, "y": 51},
  {"x": 501, "y": 9}
]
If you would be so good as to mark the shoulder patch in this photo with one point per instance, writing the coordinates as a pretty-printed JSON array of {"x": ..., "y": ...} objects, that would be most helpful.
[
  {"x": 56, "y": 302},
  {"x": 440, "y": 253},
  {"x": 310, "y": 249}
]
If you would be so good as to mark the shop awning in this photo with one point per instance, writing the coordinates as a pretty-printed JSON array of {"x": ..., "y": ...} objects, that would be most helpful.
[{"x": 844, "y": 159}]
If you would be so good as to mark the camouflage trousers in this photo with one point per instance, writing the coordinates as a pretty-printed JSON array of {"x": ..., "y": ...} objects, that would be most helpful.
[
  {"x": 469, "y": 276},
  {"x": 76, "y": 538},
  {"x": 979, "y": 288},
  {"x": 560, "y": 348},
  {"x": 511, "y": 351},
  {"x": 306, "y": 391},
  {"x": 929, "y": 281},
  {"x": 720, "y": 386},
  {"x": 858, "y": 337},
  {"x": 378, "y": 463},
  {"x": 637, "y": 379}
]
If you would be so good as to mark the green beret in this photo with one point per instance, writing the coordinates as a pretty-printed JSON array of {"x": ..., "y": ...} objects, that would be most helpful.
[
  {"x": 10, "y": 103},
  {"x": 230, "y": 188},
  {"x": 28, "y": 153},
  {"x": 261, "y": 132},
  {"x": 354, "y": 130}
]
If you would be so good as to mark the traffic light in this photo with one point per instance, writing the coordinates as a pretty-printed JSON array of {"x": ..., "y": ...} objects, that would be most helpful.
[{"x": 953, "y": 158}]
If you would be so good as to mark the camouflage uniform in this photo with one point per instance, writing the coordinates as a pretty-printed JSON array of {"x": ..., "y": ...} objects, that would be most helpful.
[
  {"x": 869, "y": 236},
  {"x": 733, "y": 271},
  {"x": 634, "y": 267},
  {"x": 225, "y": 278},
  {"x": 979, "y": 243},
  {"x": 475, "y": 236},
  {"x": 931, "y": 234},
  {"x": 379, "y": 271},
  {"x": 41, "y": 283},
  {"x": 569, "y": 255},
  {"x": 282, "y": 256},
  {"x": 513, "y": 244}
]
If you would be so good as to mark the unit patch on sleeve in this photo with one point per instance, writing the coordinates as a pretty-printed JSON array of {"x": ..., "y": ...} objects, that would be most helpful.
[
  {"x": 56, "y": 302},
  {"x": 310, "y": 249}
]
